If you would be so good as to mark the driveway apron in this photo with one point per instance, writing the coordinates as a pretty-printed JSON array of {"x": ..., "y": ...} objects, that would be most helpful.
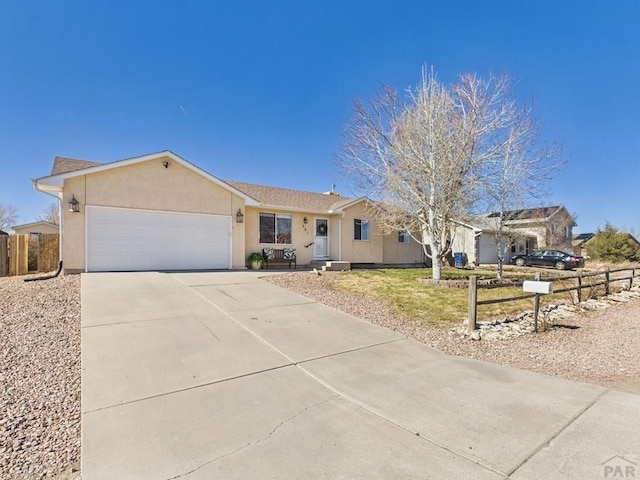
[{"x": 202, "y": 375}]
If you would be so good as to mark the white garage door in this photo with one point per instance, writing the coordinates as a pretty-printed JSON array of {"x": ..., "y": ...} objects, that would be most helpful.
[
  {"x": 122, "y": 239},
  {"x": 488, "y": 253}
]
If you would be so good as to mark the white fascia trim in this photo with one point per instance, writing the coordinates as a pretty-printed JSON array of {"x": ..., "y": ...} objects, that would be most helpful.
[
  {"x": 347, "y": 205},
  {"x": 39, "y": 222},
  {"x": 55, "y": 182},
  {"x": 44, "y": 188},
  {"x": 467, "y": 225},
  {"x": 283, "y": 208}
]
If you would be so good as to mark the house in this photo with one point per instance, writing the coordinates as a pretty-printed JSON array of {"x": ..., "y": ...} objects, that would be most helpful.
[
  {"x": 525, "y": 230},
  {"x": 161, "y": 212},
  {"x": 581, "y": 241},
  {"x": 3, "y": 233},
  {"x": 35, "y": 228},
  {"x": 578, "y": 242}
]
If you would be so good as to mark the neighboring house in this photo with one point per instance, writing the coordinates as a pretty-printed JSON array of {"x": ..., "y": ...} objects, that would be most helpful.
[
  {"x": 581, "y": 241},
  {"x": 578, "y": 242},
  {"x": 35, "y": 228},
  {"x": 160, "y": 212},
  {"x": 525, "y": 230}
]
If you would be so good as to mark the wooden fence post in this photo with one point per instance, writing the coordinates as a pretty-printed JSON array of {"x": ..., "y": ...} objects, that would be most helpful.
[
  {"x": 633, "y": 274},
  {"x": 607, "y": 287},
  {"x": 579, "y": 287},
  {"x": 473, "y": 305}
]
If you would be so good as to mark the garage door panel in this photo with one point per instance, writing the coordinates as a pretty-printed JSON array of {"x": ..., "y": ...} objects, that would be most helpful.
[{"x": 128, "y": 239}]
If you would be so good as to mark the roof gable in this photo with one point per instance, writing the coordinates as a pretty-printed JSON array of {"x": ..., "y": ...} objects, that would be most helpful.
[
  {"x": 516, "y": 218},
  {"x": 33, "y": 224},
  {"x": 531, "y": 215},
  {"x": 528, "y": 213},
  {"x": 55, "y": 182}
]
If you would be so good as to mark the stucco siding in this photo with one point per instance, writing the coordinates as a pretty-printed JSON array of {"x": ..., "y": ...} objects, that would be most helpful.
[
  {"x": 73, "y": 226},
  {"x": 149, "y": 185},
  {"x": 361, "y": 251},
  {"x": 396, "y": 252}
]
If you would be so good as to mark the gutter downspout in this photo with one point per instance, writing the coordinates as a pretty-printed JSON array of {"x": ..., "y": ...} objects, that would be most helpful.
[
  {"x": 340, "y": 237},
  {"x": 59, "y": 269}
]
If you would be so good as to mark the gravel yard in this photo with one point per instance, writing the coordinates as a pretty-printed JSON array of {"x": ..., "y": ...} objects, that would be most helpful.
[
  {"x": 40, "y": 378},
  {"x": 40, "y": 359}
]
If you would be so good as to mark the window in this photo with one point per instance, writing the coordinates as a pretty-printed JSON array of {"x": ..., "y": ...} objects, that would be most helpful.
[
  {"x": 275, "y": 228},
  {"x": 567, "y": 231},
  {"x": 403, "y": 236},
  {"x": 554, "y": 228},
  {"x": 360, "y": 229}
]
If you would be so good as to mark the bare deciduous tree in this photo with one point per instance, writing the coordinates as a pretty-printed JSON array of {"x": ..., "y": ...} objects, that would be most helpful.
[
  {"x": 8, "y": 216},
  {"x": 425, "y": 158},
  {"x": 518, "y": 174},
  {"x": 51, "y": 214}
]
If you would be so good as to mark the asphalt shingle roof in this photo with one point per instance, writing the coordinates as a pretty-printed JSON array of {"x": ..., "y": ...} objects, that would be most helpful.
[
  {"x": 65, "y": 165},
  {"x": 285, "y": 197},
  {"x": 527, "y": 213}
]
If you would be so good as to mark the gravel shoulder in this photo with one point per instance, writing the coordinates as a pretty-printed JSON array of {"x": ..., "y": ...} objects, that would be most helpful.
[
  {"x": 40, "y": 378},
  {"x": 594, "y": 346}
]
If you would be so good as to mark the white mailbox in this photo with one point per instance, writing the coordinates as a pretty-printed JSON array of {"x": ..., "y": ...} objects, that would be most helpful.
[{"x": 537, "y": 286}]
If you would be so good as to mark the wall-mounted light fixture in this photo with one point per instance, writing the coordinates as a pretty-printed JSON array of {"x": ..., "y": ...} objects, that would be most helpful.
[
  {"x": 239, "y": 216},
  {"x": 166, "y": 164},
  {"x": 305, "y": 220},
  {"x": 74, "y": 205}
]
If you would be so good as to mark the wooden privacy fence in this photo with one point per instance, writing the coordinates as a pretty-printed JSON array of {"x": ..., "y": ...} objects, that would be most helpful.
[
  {"x": 16, "y": 250},
  {"x": 588, "y": 281}
]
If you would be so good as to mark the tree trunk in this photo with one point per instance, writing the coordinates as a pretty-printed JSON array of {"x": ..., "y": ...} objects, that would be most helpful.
[
  {"x": 436, "y": 264},
  {"x": 500, "y": 268}
]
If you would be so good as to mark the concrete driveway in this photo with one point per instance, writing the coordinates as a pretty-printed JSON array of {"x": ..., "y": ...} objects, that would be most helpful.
[{"x": 222, "y": 375}]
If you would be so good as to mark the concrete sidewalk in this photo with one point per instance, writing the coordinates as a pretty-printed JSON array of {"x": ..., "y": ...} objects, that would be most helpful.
[{"x": 222, "y": 375}]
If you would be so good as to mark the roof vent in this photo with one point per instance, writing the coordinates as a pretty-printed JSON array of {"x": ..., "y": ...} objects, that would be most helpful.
[{"x": 333, "y": 191}]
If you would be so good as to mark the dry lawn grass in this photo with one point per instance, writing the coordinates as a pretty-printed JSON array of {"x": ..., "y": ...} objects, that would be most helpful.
[{"x": 438, "y": 306}]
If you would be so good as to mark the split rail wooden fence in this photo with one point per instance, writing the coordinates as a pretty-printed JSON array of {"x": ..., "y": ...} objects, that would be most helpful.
[
  {"x": 16, "y": 250},
  {"x": 583, "y": 282}
]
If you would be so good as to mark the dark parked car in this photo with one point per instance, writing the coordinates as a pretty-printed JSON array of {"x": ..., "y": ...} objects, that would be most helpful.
[{"x": 549, "y": 258}]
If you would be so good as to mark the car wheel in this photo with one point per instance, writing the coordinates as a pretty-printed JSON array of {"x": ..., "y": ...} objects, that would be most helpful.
[
  {"x": 560, "y": 265},
  {"x": 520, "y": 262}
]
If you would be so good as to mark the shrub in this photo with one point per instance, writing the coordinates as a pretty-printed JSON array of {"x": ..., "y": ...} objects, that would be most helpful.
[{"x": 611, "y": 245}]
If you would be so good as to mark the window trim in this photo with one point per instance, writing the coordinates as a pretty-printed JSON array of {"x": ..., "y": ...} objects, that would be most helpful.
[
  {"x": 276, "y": 216},
  {"x": 362, "y": 223}
]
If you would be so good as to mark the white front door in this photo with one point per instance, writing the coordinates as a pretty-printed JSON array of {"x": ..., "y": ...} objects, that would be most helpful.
[{"x": 321, "y": 239}]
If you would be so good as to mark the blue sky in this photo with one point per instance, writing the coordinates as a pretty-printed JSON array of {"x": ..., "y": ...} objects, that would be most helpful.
[{"x": 259, "y": 91}]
